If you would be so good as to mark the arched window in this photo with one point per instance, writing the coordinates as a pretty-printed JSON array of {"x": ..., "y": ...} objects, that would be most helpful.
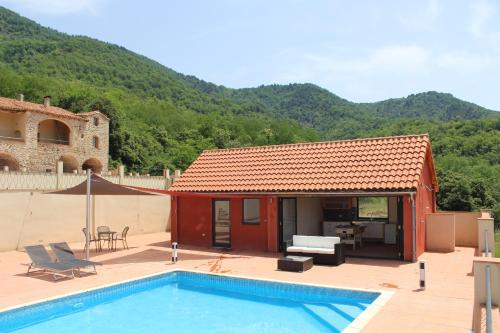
[
  {"x": 12, "y": 126},
  {"x": 53, "y": 131},
  {"x": 69, "y": 163},
  {"x": 93, "y": 164},
  {"x": 96, "y": 121},
  {"x": 7, "y": 160}
]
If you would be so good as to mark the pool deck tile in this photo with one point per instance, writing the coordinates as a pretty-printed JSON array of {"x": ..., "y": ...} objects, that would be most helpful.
[{"x": 444, "y": 306}]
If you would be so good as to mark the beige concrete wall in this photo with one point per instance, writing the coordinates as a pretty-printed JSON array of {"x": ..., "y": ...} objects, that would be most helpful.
[
  {"x": 309, "y": 216},
  {"x": 466, "y": 228},
  {"x": 440, "y": 232},
  {"x": 36, "y": 218},
  {"x": 480, "y": 287}
]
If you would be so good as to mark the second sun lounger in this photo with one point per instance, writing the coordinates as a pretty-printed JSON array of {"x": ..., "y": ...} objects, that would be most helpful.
[
  {"x": 41, "y": 259},
  {"x": 64, "y": 254}
]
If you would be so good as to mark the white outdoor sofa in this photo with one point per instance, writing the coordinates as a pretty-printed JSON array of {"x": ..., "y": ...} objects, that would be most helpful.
[{"x": 323, "y": 250}]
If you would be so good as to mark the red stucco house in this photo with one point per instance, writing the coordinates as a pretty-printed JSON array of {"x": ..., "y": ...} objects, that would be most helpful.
[{"x": 256, "y": 198}]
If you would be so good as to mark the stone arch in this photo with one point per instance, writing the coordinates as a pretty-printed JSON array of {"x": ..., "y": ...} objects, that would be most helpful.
[
  {"x": 10, "y": 161},
  {"x": 70, "y": 163},
  {"x": 54, "y": 131},
  {"x": 93, "y": 164}
]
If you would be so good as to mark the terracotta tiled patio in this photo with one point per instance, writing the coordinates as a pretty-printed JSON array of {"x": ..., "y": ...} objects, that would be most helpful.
[{"x": 445, "y": 306}]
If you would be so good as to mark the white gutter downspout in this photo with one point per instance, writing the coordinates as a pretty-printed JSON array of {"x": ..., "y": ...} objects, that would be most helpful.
[{"x": 413, "y": 227}]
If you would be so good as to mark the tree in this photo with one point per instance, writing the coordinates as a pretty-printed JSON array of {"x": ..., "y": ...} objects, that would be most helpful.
[
  {"x": 454, "y": 192},
  {"x": 480, "y": 195}
]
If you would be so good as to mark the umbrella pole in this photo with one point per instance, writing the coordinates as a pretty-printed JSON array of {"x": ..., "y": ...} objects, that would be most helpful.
[
  {"x": 93, "y": 216},
  {"x": 87, "y": 221}
]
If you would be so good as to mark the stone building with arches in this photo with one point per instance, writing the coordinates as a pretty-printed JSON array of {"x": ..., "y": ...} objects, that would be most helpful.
[{"x": 34, "y": 137}]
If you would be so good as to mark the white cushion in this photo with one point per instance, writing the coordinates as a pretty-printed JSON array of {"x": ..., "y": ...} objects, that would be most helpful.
[
  {"x": 296, "y": 249},
  {"x": 300, "y": 240},
  {"x": 319, "y": 250},
  {"x": 304, "y": 249},
  {"x": 315, "y": 241}
]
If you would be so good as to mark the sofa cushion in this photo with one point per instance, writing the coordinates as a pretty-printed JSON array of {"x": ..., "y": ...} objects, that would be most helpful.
[
  {"x": 300, "y": 240},
  {"x": 305, "y": 249},
  {"x": 296, "y": 249},
  {"x": 319, "y": 250},
  {"x": 315, "y": 241}
]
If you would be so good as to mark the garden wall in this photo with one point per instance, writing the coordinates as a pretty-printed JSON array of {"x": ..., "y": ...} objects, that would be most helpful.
[{"x": 35, "y": 218}]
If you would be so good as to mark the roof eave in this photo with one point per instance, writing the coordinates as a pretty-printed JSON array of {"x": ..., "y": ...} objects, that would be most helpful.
[{"x": 300, "y": 193}]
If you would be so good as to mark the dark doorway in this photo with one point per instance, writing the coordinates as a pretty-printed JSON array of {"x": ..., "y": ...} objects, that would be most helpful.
[
  {"x": 400, "y": 230},
  {"x": 287, "y": 220}
]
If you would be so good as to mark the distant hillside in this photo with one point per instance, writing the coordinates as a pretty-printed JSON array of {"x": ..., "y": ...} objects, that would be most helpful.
[
  {"x": 161, "y": 118},
  {"x": 432, "y": 105},
  {"x": 27, "y": 47},
  {"x": 335, "y": 117}
]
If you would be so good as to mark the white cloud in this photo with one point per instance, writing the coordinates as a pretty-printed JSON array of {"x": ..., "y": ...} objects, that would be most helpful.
[{"x": 57, "y": 7}]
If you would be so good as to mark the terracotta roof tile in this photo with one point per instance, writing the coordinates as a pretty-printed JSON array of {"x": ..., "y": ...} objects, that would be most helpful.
[
  {"x": 15, "y": 105},
  {"x": 390, "y": 163}
]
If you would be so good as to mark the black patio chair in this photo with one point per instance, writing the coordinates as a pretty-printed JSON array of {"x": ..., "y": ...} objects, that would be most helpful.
[
  {"x": 123, "y": 238},
  {"x": 91, "y": 240}
]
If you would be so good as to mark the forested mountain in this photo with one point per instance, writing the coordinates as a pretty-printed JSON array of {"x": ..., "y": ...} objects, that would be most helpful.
[{"x": 161, "y": 118}]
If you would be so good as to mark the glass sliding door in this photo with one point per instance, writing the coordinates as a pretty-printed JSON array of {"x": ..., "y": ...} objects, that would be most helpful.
[
  {"x": 221, "y": 223},
  {"x": 287, "y": 220}
]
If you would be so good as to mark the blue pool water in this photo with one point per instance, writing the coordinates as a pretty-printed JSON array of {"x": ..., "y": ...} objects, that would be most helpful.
[{"x": 193, "y": 302}]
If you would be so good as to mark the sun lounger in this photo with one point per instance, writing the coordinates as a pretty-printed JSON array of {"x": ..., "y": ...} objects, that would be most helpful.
[
  {"x": 64, "y": 254},
  {"x": 41, "y": 259}
]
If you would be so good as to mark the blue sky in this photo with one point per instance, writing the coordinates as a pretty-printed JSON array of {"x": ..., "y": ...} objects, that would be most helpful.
[{"x": 360, "y": 50}]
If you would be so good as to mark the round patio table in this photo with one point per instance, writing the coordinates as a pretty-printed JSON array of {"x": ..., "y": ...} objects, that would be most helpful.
[{"x": 109, "y": 238}]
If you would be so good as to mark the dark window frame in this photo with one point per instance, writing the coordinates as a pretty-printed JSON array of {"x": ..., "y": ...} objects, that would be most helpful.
[
  {"x": 281, "y": 246},
  {"x": 214, "y": 243},
  {"x": 243, "y": 211},
  {"x": 372, "y": 218}
]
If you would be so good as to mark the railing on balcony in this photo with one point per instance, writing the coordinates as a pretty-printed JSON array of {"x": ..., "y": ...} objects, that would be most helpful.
[
  {"x": 12, "y": 138},
  {"x": 54, "y": 141},
  {"x": 45, "y": 181}
]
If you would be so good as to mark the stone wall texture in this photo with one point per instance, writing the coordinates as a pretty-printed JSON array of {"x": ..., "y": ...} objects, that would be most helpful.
[{"x": 38, "y": 156}]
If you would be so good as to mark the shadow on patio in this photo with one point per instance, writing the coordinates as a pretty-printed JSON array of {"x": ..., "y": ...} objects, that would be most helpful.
[
  {"x": 49, "y": 276},
  {"x": 376, "y": 262},
  {"x": 80, "y": 253},
  {"x": 152, "y": 255}
]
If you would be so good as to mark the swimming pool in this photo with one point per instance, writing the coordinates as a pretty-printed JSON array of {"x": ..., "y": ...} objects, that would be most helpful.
[{"x": 183, "y": 301}]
